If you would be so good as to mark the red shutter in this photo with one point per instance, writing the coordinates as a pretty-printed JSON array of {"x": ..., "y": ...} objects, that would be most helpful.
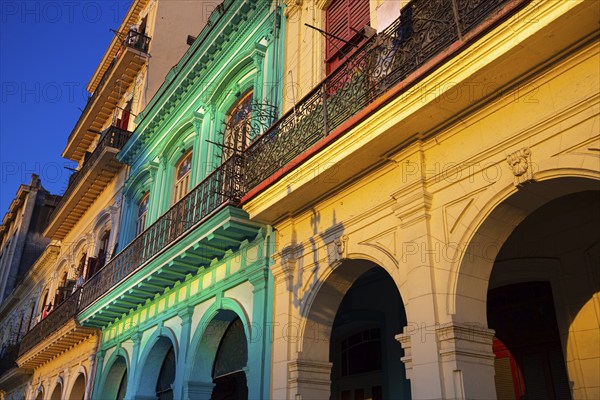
[{"x": 343, "y": 19}]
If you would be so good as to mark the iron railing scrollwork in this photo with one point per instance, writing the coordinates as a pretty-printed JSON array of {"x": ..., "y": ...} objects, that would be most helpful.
[
  {"x": 249, "y": 122},
  {"x": 425, "y": 29},
  {"x": 64, "y": 312},
  {"x": 223, "y": 186},
  {"x": 113, "y": 137}
]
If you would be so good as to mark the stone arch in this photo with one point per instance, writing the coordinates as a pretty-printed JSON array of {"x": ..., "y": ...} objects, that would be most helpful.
[
  {"x": 180, "y": 142},
  {"x": 240, "y": 76},
  {"x": 116, "y": 366},
  {"x": 56, "y": 393},
  {"x": 205, "y": 343},
  {"x": 150, "y": 361},
  {"x": 102, "y": 223},
  {"x": 38, "y": 394},
  {"x": 77, "y": 389},
  {"x": 321, "y": 328},
  {"x": 321, "y": 303},
  {"x": 469, "y": 275}
]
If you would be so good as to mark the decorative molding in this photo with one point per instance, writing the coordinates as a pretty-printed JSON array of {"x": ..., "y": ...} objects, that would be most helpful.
[
  {"x": 455, "y": 211},
  {"x": 404, "y": 339},
  {"x": 289, "y": 260},
  {"x": 413, "y": 205},
  {"x": 520, "y": 164},
  {"x": 460, "y": 342},
  {"x": 385, "y": 242}
]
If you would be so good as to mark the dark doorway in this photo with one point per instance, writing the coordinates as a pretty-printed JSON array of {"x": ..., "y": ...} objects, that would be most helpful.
[
  {"x": 231, "y": 359},
  {"x": 529, "y": 357},
  {"x": 363, "y": 350}
]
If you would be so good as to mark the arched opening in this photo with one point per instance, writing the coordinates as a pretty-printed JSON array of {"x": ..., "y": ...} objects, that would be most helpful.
[
  {"x": 220, "y": 358},
  {"x": 238, "y": 129},
  {"x": 142, "y": 212},
  {"x": 351, "y": 326},
  {"x": 115, "y": 382},
  {"x": 158, "y": 371},
  {"x": 40, "y": 395},
  {"x": 103, "y": 249},
  {"x": 543, "y": 276},
  {"x": 231, "y": 359},
  {"x": 532, "y": 265},
  {"x": 78, "y": 389},
  {"x": 57, "y": 392},
  {"x": 183, "y": 171},
  {"x": 166, "y": 377}
]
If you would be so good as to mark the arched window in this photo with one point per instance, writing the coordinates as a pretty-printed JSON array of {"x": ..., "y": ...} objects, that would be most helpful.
[
  {"x": 140, "y": 223},
  {"x": 103, "y": 248},
  {"x": 182, "y": 176},
  {"x": 346, "y": 19},
  {"x": 238, "y": 128},
  {"x": 166, "y": 377}
]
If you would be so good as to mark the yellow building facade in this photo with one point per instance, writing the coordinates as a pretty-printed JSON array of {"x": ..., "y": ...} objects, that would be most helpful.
[{"x": 468, "y": 186}]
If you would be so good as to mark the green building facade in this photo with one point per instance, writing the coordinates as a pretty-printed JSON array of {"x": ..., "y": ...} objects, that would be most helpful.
[{"x": 184, "y": 307}]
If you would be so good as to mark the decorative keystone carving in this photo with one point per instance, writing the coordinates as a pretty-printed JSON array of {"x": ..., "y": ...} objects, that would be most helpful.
[
  {"x": 520, "y": 164},
  {"x": 336, "y": 249},
  {"x": 289, "y": 259}
]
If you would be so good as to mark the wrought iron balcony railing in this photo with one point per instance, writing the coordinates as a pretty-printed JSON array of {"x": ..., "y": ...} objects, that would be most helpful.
[
  {"x": 425, "y": 29},
  {"x": 220, "y": 188},
  {"x": 56, "y": 319},
  {"x": 113, "y": 137},
  {"x": 134, "y": 40}
]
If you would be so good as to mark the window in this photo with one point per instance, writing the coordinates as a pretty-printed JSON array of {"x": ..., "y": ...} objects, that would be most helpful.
[
  {"x": 182, "y": 176},
  {"x": 361, "y": 353},
  {"x": 103, "y": 249},
  {"x": 345, "y": 19},
  {"x": 140, "y": 222},
  {"x": 238, "y": 130}
]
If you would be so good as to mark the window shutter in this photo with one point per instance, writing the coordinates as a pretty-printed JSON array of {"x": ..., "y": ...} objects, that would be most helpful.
[{"x": 343, "y": 19}]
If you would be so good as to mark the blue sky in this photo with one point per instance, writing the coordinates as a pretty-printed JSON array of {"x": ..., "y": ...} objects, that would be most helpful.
[{"x": 48, "y": 53}]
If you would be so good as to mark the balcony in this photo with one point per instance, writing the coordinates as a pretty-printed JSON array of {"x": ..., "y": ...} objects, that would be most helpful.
[
  {"x": 88, "y": 182},
  {"x": 121, "y": 73},
  {"x": 428, "y": 33},
  {"x": 205, "y": 224},
  {"x": 53, "y": 335}
]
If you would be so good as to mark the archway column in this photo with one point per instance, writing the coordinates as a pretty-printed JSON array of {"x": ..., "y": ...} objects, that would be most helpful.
[
  {"x": 132, "y": 389},
  {"x": 186, "y": 320},
  {"x": 89, "y": 382},
  {"x": 198, "y": 390},
  {"x": 97, "y": 377},
  {"x": 418, "y": 339},
  {"x": 257, "y": 372}
]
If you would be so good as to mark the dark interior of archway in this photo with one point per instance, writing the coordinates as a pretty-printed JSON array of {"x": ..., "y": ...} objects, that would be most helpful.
[
  {"x": 530, "y": 362},
  {"x": 166, "y": 377},
  {"x": 363, "y": 351},
  {"x": 78, "y": 389},
  {"x": 121, "y": 391},
  {"x": 232, "y": 356}
]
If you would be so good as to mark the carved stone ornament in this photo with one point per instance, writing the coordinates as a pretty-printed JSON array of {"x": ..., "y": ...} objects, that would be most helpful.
[
  {"x": 336, "y": 249},
  {"x": 520, "y": 164},
  {"x": 289, "y": 257}
]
